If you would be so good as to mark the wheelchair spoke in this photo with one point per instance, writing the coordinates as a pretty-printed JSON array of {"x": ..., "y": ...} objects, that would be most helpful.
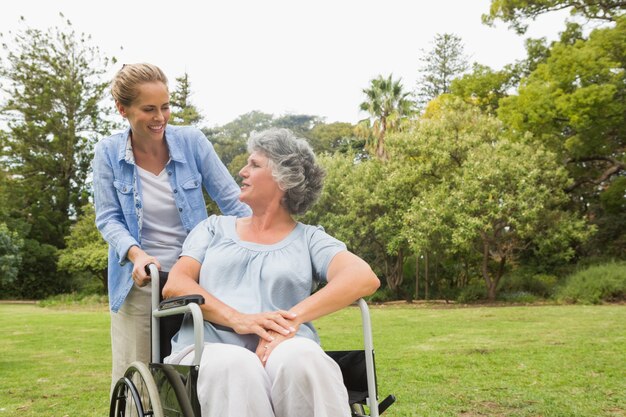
[{"x": 136, "y": 394}]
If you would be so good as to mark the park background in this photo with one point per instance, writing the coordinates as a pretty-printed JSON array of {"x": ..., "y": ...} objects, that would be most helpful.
[
  {"x": 465, "y": 182},
  {"x": 474, "y": 183}
]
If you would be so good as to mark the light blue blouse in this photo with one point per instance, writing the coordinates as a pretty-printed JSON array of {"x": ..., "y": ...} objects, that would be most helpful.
[{"x": 252, "y": 277}]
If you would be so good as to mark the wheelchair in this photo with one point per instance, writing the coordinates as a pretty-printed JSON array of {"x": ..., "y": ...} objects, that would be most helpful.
[{"x": 163, "y": 390}]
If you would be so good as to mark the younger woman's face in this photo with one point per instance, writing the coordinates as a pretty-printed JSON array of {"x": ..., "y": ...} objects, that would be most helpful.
[{"x": 149, "y": 113}]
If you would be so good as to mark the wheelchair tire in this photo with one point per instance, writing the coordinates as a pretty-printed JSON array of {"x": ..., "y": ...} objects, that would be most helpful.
[{"x": 136, "y": 394}]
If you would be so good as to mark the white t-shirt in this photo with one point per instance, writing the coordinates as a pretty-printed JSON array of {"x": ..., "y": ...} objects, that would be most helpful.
[{"x": 162, "y": 231}]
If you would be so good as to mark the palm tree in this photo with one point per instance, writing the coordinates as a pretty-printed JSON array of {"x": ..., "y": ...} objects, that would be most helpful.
[{"x": 388, "y": 105}]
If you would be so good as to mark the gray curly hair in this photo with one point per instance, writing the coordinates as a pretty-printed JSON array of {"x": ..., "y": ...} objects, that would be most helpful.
[{"x": 293, "y": 166}]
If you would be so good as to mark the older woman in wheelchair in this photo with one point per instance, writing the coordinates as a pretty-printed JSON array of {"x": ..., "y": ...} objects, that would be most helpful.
[{"x": 255, "y": 278}]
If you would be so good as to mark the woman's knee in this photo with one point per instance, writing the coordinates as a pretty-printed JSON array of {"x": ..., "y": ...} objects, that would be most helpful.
[
  {"x": 220, "y": 358},
  {"x": 299, "y": 356}
]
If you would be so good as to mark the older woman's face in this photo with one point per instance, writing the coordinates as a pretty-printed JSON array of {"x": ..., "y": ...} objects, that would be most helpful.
[{"x": 258, "y": 185}]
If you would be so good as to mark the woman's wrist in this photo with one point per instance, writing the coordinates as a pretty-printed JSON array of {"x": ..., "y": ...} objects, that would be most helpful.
[{"x": 134, "y": 252}]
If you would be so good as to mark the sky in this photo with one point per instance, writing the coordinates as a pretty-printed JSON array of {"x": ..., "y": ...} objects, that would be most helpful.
[{"x": 280, "y": 56}]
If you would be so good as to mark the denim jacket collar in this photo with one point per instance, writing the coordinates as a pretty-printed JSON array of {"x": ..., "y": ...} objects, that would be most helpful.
[{"x": 176, "y": 153}]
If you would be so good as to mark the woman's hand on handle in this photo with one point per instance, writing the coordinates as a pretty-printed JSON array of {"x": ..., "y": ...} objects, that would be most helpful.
[{"x": 140, "y": 260}]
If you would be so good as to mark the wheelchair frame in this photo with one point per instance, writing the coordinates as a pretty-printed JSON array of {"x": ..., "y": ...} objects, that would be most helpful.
[{"x": 143, "y": 388}]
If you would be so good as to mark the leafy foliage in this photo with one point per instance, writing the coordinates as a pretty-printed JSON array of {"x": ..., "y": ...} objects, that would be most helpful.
[
  {"x": 595, "y": 285},
  {"x": 573, "y": 104},
  {"x": 388, "y": 105},
  {"x": 183, "y": 111},
  {"x": 37, "y": 276},
  {"x": 53, "y": 83},
  {"x": 518, "y": 12},
  {"x": 484, "y": 87},
  {"x": 86, "y": 250},
  {"x": 440, "y": 66},
  {"x": 486, "y": 193},
  {"x": 10, "y": 258}
]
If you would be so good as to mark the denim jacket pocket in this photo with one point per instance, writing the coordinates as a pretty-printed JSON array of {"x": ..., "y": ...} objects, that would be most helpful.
[
  {"x": 192, "y": 189},
  {"x": 125, "y": 195}
]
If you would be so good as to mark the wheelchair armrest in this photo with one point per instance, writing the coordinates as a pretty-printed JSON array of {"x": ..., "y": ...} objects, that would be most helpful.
[
  {"x": 198, "y": 328},
  {"x": 180, "y": 305},
  {"x": 181, "y": 301}
]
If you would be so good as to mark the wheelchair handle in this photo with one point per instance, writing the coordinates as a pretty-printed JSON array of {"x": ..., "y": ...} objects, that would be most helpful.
[{"x": 152, "y": 270}]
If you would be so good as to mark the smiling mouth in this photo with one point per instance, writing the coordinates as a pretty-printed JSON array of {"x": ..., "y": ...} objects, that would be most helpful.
[{"x": 156, "y": 128}]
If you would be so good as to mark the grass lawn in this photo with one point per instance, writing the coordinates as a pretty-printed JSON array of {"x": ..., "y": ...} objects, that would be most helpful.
[{"x": 474, "y": 361}]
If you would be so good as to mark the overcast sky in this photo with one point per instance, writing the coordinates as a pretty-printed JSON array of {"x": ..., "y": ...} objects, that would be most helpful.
[{"x": 280, "y": 56}]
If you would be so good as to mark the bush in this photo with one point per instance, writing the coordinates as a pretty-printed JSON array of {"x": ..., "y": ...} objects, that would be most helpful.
[
  {"x": 525, "y": 280},
  {"x": 38, "y": 276},
  {"x": 518, "y": 297},
  {"x": 10, "y": 258},
  {"x": 595, "y": 285},
  {"x": 381, "y": 295},
  {"x": 475, "y": 290},
  {"x": 74, "y": 299}
]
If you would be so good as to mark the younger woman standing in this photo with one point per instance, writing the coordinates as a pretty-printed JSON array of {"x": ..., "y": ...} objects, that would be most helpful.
[{"x": 148, "y": 183}]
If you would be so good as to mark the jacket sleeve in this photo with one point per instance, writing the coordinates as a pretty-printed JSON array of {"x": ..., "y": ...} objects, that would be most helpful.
[{"x": 110, "y": 219}]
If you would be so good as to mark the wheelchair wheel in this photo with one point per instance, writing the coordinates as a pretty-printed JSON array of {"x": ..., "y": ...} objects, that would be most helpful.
[{"x": 136, "y": 394}]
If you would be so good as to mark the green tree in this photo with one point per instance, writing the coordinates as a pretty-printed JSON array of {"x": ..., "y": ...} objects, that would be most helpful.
[
  {"x": 85, "y": 251},
  {"x": 484, "y": 87},
  {"x": 517, "y": 12},
  {"x": 53, "y": 81},
  {"x": 349, "y": 205},
  {"x": 440, "y": 66},
  {"x": 362, "y": 204},
  {"x": 487, "y": 195},
  {"x": 300, "y": 124},
  {"x": 10, "y": 257},
  {"x": 183, "y": 111},
  {"x": 573, "y": 104},
  {"x": 388, "y": 105},
  {"x": 231, "y": 139},
  {"x": 334, "y": 137}
]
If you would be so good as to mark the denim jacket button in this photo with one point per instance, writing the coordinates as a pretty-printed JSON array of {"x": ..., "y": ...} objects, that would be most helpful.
[
  {"x": 175, "y": 190},
  {"x": 180, "y": 209}
]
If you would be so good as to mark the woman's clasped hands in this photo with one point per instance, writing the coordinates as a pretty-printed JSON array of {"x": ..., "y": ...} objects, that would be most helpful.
[{"x": 272, "y": 327}]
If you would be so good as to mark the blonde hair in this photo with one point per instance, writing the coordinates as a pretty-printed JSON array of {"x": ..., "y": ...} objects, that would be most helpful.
[{"x": 130, "y": 76}]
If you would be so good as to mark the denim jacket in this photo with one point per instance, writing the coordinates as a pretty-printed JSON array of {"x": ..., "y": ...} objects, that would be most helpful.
[{"x": 117, "y": 194}]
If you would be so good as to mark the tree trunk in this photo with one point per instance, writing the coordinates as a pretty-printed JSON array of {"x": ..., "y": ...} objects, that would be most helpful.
[
  {"x": 491, "y": 280},
  {"x": 105, "y": 279},
  {"x": 491, "y": 294},
  {"x": 380, "y": 144},
  {"x": 417, "y": 275},
  {"x": 426, "y": 277},
  {"x": 395, "y": 278}
]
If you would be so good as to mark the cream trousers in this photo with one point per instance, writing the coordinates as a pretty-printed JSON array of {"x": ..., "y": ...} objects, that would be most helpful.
[
  {"x": 299, "y": 379},
  {"x": 130, "y": 332}
]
